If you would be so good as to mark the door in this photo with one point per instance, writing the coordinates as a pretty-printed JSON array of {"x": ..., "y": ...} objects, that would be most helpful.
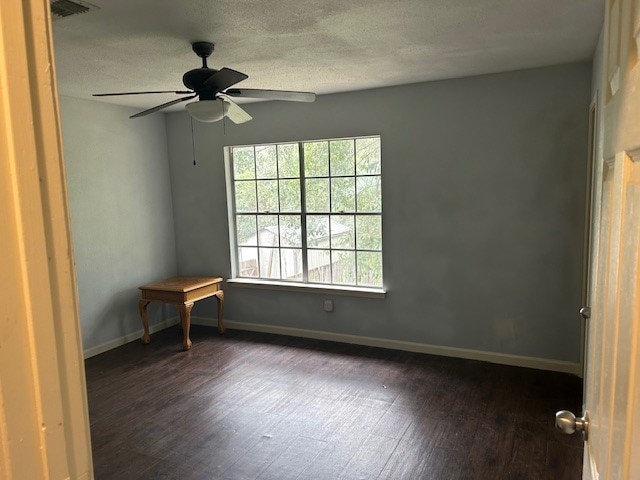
[
  {"x": 610, "y": 402},
  {"x": 612, "y": 378}
]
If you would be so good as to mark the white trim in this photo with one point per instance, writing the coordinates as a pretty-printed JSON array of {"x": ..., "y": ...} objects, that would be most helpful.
[
  {"x": 129, "y": 337},
  {"x": 491, "y": 357},
  {"x": 307, "y": 287}
]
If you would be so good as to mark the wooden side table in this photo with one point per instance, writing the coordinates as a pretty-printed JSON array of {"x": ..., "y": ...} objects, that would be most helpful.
[{"x": 183, "y": 292}]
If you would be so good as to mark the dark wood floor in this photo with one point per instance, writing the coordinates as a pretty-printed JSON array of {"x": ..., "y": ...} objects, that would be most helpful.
[{"x": 250, "y": 405}]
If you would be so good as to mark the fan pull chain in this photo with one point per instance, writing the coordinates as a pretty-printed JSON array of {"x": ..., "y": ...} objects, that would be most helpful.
[{"x": 193, "y": 143}]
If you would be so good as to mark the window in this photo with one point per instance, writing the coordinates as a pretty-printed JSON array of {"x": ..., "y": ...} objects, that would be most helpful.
[{"x": 308, "y": 212}]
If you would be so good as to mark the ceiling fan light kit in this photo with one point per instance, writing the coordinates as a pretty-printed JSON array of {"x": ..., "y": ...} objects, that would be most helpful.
[
  {"x": 208, "y": 110},
  {"x": 212, "y": 87}
]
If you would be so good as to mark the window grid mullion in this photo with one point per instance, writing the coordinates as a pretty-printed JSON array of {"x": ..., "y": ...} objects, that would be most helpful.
[
  {"x": 330, "y": 210},
  {"x": 355, "y": 207},
  {"x": 279, "y": 210},
  {"x": 255, "y": 183},
  {"x": 303, "y": 213}
]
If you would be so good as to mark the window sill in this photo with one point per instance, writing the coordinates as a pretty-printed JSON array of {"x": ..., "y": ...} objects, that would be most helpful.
[{"x": 309, "y": 288}]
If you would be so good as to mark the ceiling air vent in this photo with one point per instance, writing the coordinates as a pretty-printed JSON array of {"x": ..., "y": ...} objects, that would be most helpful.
[{"x": 66, "y": 8}]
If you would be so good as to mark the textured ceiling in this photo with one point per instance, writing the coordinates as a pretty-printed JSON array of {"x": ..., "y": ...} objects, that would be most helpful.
[{"x": 323, "y": 46}]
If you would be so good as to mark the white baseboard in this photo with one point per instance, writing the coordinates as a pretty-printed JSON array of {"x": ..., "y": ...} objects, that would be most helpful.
[
  {"x": 491, "y": 357},
  {"x": 129, "y": 337}
]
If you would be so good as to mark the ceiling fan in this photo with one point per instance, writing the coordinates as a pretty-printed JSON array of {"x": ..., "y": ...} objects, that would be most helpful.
[{"x": 211, "y": 86}]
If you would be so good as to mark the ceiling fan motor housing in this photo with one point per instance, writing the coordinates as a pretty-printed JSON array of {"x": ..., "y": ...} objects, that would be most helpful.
[{"x": 194, "y": 80}]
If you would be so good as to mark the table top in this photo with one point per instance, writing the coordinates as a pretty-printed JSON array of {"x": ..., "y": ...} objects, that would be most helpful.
[{"x": 181, "y": 284}]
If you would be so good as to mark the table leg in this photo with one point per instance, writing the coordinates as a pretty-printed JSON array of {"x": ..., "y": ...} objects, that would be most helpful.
[
  {"x": 185, "y": 320},
  {"x": 220, "y": 296},
  {"x": 142, "y": 308}
]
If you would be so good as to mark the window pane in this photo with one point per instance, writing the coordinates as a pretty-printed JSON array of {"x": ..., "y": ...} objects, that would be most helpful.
[
  {"x": 342, "y": 159},
  {"x": 290, "y": 196},
  {"x": 248, "y": 261},
  {"x": 288, "y": 160},
  {"x": 317, "y": 231},
  {"x": 269, "y": 263},
  {"x": 245, "y": 196},
  {"x": 369, "y": 194},
  {"x": 367, "y": 155},
  {"x": 316, "y": 159},
  {"x": 266, "y": 166},
  {"x": 317, "y": 195},
  {"x": 291, "y": 263},
  {"x": 342, "y": 205},
  {"x": 369, "y": 232},
  {"x": 344, "y": 267},
  {"x": 246, "y": 230},
  {"x": 268, "y": 231},
  {"x": 243, "y": 165},
  {"x": 319, "y": 265},
  {"x": 342, "y": 231},
  {"x": 370, "y": 269},
  {"x": 290, "y": 231},
  {"x": 343, "y": 194},
  {"x": 267, "y": 195}
]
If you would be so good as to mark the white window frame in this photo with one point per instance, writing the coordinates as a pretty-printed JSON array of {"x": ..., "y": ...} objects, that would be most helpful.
[{"x": 263, "y": 282}]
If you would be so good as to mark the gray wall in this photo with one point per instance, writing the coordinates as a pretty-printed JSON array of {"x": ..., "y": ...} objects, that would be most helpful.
[
  {"x": 483, "y": 191},
  {"x": 119, "y": 196}
]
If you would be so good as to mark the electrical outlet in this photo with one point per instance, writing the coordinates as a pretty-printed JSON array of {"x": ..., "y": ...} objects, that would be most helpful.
[{"x": 328, "y": 305}]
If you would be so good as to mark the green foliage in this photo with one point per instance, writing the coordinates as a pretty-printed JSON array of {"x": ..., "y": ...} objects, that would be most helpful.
[
  {"x": 266, "y": 161},
  {"x": 288, "y": 160},
  {"x": 245, "y": 196},
  {"x": 290, "y": 195},
  {"x": 316, "y": 159},
  {"x": 290, "y": 231},
  {"x": 246, "y": 229},
  {"x": 343, "y": 198},
  {"x": 244, "y": 167},
  {"x": 370, "y": 269},
  {"x": 268, "y": 196},
  {"x": 368, "y": 232},
  {"x": 342, "y": 159},
  {"x": 317, "y": 194},
  {"x": 369, "y": 194},
  {"x": 367, "y": 156}
]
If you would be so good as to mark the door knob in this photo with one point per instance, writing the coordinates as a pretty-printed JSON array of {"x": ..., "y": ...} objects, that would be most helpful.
[
  {"x": 567, "y": 422},
  {"x": 585, "y": 313}
]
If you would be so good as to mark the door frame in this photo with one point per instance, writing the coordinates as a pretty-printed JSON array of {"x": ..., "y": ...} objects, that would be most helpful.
[
  {"x": 589, "y": 231},
  {"x": 44, "y": 422}
]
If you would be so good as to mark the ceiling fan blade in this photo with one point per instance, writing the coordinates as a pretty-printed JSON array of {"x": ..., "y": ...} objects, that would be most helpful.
[
  {"x": 179, "y": 92},
  {"x": 160, "y": 107},
  {"x": 235, "y": 113},
  {"x": 224, "y": 78},
  {"x": 272, "y": 94}
]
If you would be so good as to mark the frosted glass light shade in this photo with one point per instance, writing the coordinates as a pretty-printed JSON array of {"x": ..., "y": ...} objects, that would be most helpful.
[{"x": 208, "y": 110}]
